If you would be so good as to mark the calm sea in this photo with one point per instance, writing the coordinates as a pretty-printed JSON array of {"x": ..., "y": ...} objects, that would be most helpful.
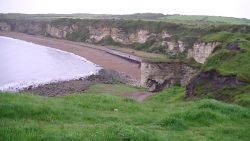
[{"x": 23, "y": 64}]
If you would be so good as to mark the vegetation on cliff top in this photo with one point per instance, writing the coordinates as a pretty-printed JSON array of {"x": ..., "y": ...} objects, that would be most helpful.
[
  {"x": 233, "y": 58},
  {"x": 203, "y": 19},
  {"x": 190, "y": 19},
  {"x": 178, "y": 30},
  {"x": 91, "y": 117},
  {"x": 189, "y": 34}
]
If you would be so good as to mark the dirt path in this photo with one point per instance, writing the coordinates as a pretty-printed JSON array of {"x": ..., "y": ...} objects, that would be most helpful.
[
  {"x": 99, "y": 57},
  {"x": 140, "y": 97}
]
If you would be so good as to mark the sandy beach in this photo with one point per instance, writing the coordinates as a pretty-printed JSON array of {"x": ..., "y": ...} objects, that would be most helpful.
[{"x": 99, "y": 57}]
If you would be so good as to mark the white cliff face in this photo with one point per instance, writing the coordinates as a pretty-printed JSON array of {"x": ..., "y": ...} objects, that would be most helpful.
[
  {"x": 97, "y": 34},
  {"x": 139, "y": 36},
  {"x": 171, "y": 46},
  {"x": 201, "y": 51},
  {"x": 165, "y": 34},
  {"x": 157, "y": 76},
  {"x": 61, "y": 31},
  {"x": 118, "y": 35},
  {"x": 175, "y": 47},
  {"x": 55, "y": 32},
  {"x": 181, "y": 46}
]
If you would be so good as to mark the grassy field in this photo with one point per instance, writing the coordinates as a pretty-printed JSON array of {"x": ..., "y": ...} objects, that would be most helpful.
[
  {"x": 205, "y": 19},
  {"x": 91, "y": 117},
  {"x": 142, "y": 16}
]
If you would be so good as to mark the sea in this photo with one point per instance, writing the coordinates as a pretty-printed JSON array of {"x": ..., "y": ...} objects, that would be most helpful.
[{"x": 24, "y": 64}]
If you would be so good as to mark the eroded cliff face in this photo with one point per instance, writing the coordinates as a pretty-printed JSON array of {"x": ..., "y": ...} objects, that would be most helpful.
[
  {"x": 5, "y": 27},
  {"x": 29, "y": 27},
  {"x": 161, "y": 42},
  {"x": 157, "y": 76},
  {"x": 118, "y": 35},
  {"x": 201, "y": 51},
  {"x": 97, "y": 34},
  {"x": 212, "y": 84},
  {"x": 173, "y": 47},
  {"x": 61, "y": 31}
]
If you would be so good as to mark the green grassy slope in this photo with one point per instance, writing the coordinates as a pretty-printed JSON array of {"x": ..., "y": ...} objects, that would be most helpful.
[
  {"x": 191, "y": 19},
  {"x": 229, "y": 62},
  {"x": 91, "y": 117},
  {"x": 232, "y": 58},
  {"x": 205, "y": 19}
]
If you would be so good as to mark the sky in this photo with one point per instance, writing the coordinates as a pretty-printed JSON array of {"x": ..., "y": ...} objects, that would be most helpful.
[{"x": 229, "y": 8}]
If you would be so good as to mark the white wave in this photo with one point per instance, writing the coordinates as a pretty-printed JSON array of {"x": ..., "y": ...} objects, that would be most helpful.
[{"x": 18, "y": 86}]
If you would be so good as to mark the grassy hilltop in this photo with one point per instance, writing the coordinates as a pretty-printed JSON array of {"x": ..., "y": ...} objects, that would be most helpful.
[
  {"x": 197, "y": 19},
  {"x": 92, "y": 117}
]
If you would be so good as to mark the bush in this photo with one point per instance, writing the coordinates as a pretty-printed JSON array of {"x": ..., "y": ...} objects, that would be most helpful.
[{"x": 78, "y": 36}]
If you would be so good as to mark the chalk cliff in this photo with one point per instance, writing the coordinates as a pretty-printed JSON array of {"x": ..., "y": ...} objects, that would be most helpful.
[
  {"x": 147, "y": 39},
  {"x": 157, "y": 76},
  {"x": 61, "y": 31},
  {"x": 201, "y": 51}
]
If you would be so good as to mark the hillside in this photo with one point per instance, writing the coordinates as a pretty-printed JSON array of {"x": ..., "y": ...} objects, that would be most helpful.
[
  {"x": 99, "y": 116},
  {"x": 196, "y": 66},
  {"x": 223, "y": 48},
  {"x": 190, "y": 19},
  {"x": 202, "y": 19}
]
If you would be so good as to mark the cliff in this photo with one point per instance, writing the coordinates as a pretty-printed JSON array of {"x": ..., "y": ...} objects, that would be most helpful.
[
  {"x": 211, "y": 84},
  {"x": 157, "y": 76},
  {"x": 173, "y": 40},
  {"x": 215, "y": 75},
  {"x": 200, "y": 51}
]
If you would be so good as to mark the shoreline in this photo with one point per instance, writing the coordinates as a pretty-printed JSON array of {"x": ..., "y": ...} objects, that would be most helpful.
[
  {"x": 63, "y": 88},
  {"x": 98, "y": 56}
]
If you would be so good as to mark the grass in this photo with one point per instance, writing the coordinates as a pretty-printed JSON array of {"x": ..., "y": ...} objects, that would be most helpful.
[
  {"x": 141, "y": 16},
  {"x": 230, "y": 62},
  {"x": 91, "y": 117},
  {"x": 115, "y": 89},
  {"x": 205, "y": 19}
]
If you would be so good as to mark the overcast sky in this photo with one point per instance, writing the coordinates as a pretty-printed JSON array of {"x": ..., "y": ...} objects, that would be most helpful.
[{"x": 230, "y": 8}]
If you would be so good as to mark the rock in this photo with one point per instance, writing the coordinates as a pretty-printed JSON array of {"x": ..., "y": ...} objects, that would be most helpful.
[
  {"x": 99, "y": 33},
  {"x": 233, "y": 47},
  {"x": 5, "y": 27},
  {"x": 173, "y": 47},
  {"x": 30, "y": 87},
  {"x": 118, "y": 35},
  {"x": 201, "y": 51},
  {"x": 61, "y": 31},
  {"x": 139, "y": 36},
  {"x": 165, "y": 34},
  {"x": 210, "y": 83},
  {"x": 157, "y": 76},
  {"x": 30, "y": 27},
  {"x": 80, "y": 85}
]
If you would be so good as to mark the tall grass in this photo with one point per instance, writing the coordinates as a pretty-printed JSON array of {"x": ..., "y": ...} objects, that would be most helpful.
[{"x": 91, "y": 117}]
